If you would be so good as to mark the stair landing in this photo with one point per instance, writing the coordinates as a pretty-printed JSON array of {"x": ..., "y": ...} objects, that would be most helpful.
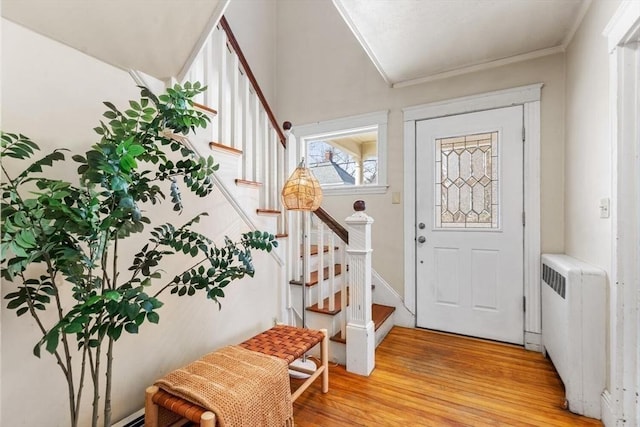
[{"x": 379, "y": 313}]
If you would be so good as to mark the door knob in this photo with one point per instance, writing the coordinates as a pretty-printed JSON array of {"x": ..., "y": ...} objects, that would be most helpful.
[{"x": 422, "y": 239}]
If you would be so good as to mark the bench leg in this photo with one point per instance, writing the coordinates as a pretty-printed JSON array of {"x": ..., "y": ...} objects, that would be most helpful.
[
  {"x": 324, "y": 357},
  {"x": 150, "y": 408},
  {"x": 208, "y": 419}
]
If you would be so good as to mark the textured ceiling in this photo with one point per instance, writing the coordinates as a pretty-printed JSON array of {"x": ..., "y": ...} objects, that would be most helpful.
[
  {"x": 418, "y": 40},
  {"x": 153, "y": 36}
]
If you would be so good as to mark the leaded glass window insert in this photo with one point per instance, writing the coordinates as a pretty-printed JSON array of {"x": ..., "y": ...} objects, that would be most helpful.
[{"x": 466, "y": 193}]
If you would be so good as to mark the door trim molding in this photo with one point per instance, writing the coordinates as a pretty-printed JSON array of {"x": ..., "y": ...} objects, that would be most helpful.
[
  {"x": 620, "y": 402},
  {"x": 529, "y": 97}
]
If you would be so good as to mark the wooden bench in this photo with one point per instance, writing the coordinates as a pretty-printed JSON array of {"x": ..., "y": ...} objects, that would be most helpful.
[{"x": 285, "y": 342}]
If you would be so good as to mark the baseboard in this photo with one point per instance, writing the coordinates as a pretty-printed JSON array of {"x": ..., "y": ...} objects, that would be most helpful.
[
  {"x": 384, "y": 294},
  {"x": 608, "y": 412},
  {"x": 533, "y": 341}
]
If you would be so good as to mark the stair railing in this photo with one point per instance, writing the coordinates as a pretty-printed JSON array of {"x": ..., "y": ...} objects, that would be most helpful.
[{"x": 245, "y": 122}]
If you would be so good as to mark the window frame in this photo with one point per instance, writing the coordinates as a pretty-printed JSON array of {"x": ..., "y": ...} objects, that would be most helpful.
[{"x": 314, "y": 131}]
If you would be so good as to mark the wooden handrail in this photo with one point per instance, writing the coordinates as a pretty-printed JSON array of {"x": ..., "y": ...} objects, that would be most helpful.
[
  {"x": 245, "y": 65},
  {"x": 334, "y": 225}
]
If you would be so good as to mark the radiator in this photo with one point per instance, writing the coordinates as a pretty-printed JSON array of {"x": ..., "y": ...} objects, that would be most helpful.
[{"x": 573, "y": 328}]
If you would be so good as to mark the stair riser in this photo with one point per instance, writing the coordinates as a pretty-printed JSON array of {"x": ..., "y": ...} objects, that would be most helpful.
[
  {"x": 324, "y": 321},
  {"x": 315, "y": 261},
  {"x": 204, "y": 136},
  {"x": 312, "y": 292},
  {"x": 338, "y": 351},
  {"x": 229, "y": 167},
  {"x": 384, "y": 329}
]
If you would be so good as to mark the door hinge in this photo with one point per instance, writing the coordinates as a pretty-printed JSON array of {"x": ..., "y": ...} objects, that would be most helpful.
[
  {"x": 523, "y": 133},
  {"x": 523, "y": 219},
  {"x": 524, "y": 303}
]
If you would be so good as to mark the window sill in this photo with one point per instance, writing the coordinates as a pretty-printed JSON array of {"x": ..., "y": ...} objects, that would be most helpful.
[{"x": 354, "y": 189}]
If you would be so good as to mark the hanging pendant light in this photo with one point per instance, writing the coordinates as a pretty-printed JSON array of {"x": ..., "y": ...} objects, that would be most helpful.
[{"x": 302, "y": 190}]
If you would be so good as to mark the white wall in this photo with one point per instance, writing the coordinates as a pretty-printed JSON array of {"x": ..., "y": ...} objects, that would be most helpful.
[
  {"x": 588, "y": 147},
  {"x": 53, "y": 94},
  {"x": 254, "y": 25},
  {"x": 323, "y": 73}
]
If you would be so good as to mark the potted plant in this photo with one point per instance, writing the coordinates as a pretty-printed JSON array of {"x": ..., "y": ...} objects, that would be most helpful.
[{"x": 61, "y": 237}]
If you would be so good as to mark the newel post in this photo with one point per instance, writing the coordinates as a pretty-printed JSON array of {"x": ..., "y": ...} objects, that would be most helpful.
[{"x": 360, "y": 328}]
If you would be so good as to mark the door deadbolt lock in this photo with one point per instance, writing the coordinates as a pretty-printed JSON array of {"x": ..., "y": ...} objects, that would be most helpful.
[
  {"x": 422, "y": 239},
  {"x": 421, "y": 226}
]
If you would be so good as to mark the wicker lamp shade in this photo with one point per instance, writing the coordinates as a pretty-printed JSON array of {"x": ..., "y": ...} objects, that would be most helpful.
[{"x": 302, "y": 191}]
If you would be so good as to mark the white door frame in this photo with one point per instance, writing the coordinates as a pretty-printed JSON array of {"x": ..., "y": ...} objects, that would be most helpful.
[
  {"x": 529, "y": 97},
  {"x": 619, "y": 402}
]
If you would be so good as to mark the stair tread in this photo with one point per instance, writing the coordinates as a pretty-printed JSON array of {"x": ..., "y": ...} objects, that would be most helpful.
[
  {"x": 314, "y": 276},
  {"x": 205, "y": 109},
  {"x": 247, "y": 183},
  {"x": 325, "y": 310},
  {"x": 379, "y": 313},
  {"x": 227, "y": 148},
  {"x": 268, "y": 212},
  {"x": 314, "y": 250}
]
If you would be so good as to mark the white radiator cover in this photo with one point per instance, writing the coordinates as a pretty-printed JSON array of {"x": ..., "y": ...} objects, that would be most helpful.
[{"x": 574, "y": 305}]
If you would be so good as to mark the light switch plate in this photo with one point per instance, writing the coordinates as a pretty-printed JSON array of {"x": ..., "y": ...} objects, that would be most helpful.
[
  {"x": 395, "y": 197},
  {"x": 604, "y": 207}
]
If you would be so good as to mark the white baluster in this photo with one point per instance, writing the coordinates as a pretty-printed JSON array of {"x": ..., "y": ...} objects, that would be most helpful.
[
  {"x": 247, "y": 126},
  {"x": 307, "y": 251},
  {"x": 212, "y": 73},
  {"x": 264, "y": 159},
  {"x": 255, "y": 131},
  {"x": 332, "y": 271},
  {"x": 280, "y": 169},
  {"x": 219, "y": 54},
  {"x": 226, "y": 92},
  {"x": 235, "y": 137},
  {"x": 273, "y": 171},
  {"x": 196, "y": 74},
  {"x": 321, "y": 285},
  {"x": 343, "y": 289}
]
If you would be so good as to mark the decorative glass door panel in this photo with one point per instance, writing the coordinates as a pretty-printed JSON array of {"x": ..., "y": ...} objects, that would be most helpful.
[{"x": 466, "y": 181}]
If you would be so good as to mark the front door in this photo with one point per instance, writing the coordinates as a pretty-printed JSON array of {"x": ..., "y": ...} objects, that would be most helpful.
[{"x": 469, "y": 214}]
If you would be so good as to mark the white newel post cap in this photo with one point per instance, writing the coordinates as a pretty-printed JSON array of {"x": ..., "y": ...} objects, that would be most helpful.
[
  {"x": 359, "y": 216},
  {"x": 359, "y": 229}
]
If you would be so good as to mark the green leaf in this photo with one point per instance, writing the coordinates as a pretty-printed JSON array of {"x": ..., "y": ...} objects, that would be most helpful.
[
  {"x": 127, "y": 162},
  {"x": 135, "y": 150},
  {"x": 132, "y": 328},
  {"x": 53, "y": 338},
  {"x": 36, "y": 350},
  {"x": 73, "y": 328},
  {"x": 153, "y": 317},
  {"x": 115, "y": 332},
  {"x": 112, "y": 295}
]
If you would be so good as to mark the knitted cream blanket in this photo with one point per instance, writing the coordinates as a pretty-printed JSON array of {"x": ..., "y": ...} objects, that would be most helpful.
[{"x": 242, "y": 387}]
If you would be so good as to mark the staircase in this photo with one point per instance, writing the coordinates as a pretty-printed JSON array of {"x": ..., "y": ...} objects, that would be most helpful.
[
  {"x": 327, "y": 282},
  {"x": 255, "y": 158}
]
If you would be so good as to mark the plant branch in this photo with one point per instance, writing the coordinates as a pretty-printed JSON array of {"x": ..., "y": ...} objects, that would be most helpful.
[{"x": 179, "y": 274}]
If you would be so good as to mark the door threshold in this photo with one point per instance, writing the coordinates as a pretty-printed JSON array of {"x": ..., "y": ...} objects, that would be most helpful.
[{"x": 472, "y": 338}]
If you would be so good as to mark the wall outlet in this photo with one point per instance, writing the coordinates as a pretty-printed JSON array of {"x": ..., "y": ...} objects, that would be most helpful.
[
  {"x": 395, "y": 197},
  {"x": 604, "y": 207}
]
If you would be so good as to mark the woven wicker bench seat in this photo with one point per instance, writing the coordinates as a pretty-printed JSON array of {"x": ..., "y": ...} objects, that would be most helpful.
[{"x": 284, "y": 342}]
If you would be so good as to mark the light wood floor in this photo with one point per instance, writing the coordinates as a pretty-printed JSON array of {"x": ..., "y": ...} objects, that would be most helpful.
[{"x": 425, "y": 378}]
